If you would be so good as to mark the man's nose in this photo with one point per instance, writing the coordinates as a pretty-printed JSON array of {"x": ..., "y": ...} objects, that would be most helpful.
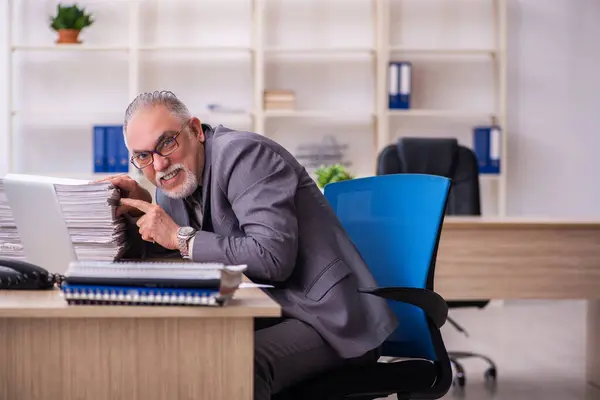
[{"x": 160, "y": 162}]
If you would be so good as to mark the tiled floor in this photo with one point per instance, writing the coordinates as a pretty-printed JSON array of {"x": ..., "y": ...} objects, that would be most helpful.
[{"x": 539, "y": 348}]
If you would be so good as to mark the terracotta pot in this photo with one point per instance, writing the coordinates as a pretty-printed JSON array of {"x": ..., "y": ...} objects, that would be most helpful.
[{"x": 68, "y": 36}]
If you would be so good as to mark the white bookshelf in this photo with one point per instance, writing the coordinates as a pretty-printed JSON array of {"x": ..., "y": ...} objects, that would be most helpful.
[{"x": 333, "y": 54}]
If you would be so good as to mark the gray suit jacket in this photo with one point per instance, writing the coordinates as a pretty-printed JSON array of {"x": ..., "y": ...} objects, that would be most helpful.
[{"x": 261, "y": 208}]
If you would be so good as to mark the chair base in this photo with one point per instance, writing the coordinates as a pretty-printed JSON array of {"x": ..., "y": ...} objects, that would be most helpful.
[
  {"x": 380, "y": 380},
  {"x": 460, "y": 378}
]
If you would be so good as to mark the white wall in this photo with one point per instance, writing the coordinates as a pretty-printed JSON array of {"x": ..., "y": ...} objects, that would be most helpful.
[
  {"x": 554, "y": 94},
  {"x": 553, "y": 117}
]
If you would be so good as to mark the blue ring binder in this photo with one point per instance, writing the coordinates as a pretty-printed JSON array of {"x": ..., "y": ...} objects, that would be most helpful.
[{"x": 131, "y": 295}]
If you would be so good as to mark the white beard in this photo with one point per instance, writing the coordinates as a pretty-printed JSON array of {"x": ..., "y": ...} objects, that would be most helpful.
[{"x": 186, "y": 189}]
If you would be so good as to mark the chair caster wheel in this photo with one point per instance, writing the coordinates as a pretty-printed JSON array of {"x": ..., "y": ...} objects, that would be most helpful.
[
  {"x": 490, "y": 375},
  {"x": 490, "y": 380},
  {"x": 460, "y": 380}
]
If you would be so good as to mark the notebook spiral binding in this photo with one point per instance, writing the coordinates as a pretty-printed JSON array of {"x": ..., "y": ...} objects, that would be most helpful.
[{"x": 140, "y": 296}]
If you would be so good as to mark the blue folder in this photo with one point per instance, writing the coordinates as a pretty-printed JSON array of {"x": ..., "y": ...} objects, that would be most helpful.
[{"x": 399, "y": 84}]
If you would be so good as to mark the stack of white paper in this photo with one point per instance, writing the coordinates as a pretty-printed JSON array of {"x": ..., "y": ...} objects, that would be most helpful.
[
  {"x": 89, "y": 214},
  {"x": 10, "y": 242}
]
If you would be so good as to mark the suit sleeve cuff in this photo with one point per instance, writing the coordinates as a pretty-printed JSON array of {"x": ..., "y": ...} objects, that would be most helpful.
[{"x": 190, "y": 248}]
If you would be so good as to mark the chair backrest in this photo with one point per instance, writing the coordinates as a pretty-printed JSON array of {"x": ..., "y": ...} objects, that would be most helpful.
[
  {"x": 395, "y": 222},
  {"x": 444, "y": 157},
  {"x": 424, "y": 156}
]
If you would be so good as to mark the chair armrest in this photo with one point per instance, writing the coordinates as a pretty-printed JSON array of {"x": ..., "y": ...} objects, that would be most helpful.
[{"x": 430, "y": 302}]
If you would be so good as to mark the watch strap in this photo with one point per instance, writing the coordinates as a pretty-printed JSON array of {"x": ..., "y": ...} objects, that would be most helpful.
[{"x": 183, "y": 241}]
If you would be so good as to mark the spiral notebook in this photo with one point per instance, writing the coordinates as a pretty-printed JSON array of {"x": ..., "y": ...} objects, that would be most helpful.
[{"x": 151, "y": 283}]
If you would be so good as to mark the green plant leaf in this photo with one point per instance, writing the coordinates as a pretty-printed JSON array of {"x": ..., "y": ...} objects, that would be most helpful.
[
  {"x": 331, "y": 173},
  {"x": 70, "y": 17}
]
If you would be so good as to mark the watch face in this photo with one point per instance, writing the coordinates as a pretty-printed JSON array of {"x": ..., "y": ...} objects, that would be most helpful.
[{"x": 186, "y": 231}]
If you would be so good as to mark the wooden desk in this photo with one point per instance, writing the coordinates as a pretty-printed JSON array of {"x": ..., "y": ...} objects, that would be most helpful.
[
  {"x": 513, "y": 258},
  {"x": 54, "y": 351}
]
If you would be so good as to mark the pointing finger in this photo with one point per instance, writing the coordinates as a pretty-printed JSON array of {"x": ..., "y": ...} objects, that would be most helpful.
[{"x": 141, "y": 205}]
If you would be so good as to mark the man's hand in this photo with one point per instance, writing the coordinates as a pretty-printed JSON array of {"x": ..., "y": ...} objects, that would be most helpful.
[
  {"x": 155, "y": 225},
  {"x": 129, "y": 189}
]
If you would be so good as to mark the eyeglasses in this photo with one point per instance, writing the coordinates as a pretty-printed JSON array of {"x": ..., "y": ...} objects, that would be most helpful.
[{"x": 164, "y": 147}]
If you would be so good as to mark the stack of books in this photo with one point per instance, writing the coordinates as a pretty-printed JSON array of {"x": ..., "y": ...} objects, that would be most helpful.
[
  {"x": 279, "y": 100},
  {"x": 89, "y": 210},
  {"x": 10, "y": 242},
  {"x": 151, "y": 283}
]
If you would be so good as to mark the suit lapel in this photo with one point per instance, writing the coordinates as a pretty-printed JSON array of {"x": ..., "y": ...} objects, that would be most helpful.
[{"x": 206, "y": 177}]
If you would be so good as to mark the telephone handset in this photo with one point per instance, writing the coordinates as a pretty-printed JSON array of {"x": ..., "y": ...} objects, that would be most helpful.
[{"x": 21, "y": 275}]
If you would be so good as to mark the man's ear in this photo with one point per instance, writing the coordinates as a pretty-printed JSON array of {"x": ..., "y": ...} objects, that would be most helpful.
[{"x": 197, "y": 131}]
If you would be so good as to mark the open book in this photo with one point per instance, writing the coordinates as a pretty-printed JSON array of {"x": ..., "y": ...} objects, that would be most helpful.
[{"x": 54, "y": 215}]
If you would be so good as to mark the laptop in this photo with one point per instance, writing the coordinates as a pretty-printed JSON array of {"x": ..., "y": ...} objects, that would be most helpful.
[{"x": 39, "y": 220}]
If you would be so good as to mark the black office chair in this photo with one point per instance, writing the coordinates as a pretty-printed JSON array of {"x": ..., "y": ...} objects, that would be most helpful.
[{"x": 444, "y": 157}]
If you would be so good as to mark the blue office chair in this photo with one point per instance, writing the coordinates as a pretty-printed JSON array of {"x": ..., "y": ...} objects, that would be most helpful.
[
  {"x": 445, "y": 157},
  {"x": 395, "y": 221}
]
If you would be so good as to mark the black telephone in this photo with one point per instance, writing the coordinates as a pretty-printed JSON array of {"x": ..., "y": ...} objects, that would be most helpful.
[{"x": 21, "y": 275}]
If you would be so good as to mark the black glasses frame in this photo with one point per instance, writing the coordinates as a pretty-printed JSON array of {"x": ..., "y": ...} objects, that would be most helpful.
[{"x": 156, "y": 151}]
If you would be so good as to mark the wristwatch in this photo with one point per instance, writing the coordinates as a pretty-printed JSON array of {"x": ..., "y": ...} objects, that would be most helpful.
[{"x": 184, "y": 234}]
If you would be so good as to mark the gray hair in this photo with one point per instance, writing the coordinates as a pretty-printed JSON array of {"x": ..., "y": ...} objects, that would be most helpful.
[{"x": 149, "y": 100}]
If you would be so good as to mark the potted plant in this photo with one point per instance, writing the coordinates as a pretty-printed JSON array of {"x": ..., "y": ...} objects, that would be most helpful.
[
  {"x": 69, "y": 21},
  {"x": 332, "y": 173}
]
